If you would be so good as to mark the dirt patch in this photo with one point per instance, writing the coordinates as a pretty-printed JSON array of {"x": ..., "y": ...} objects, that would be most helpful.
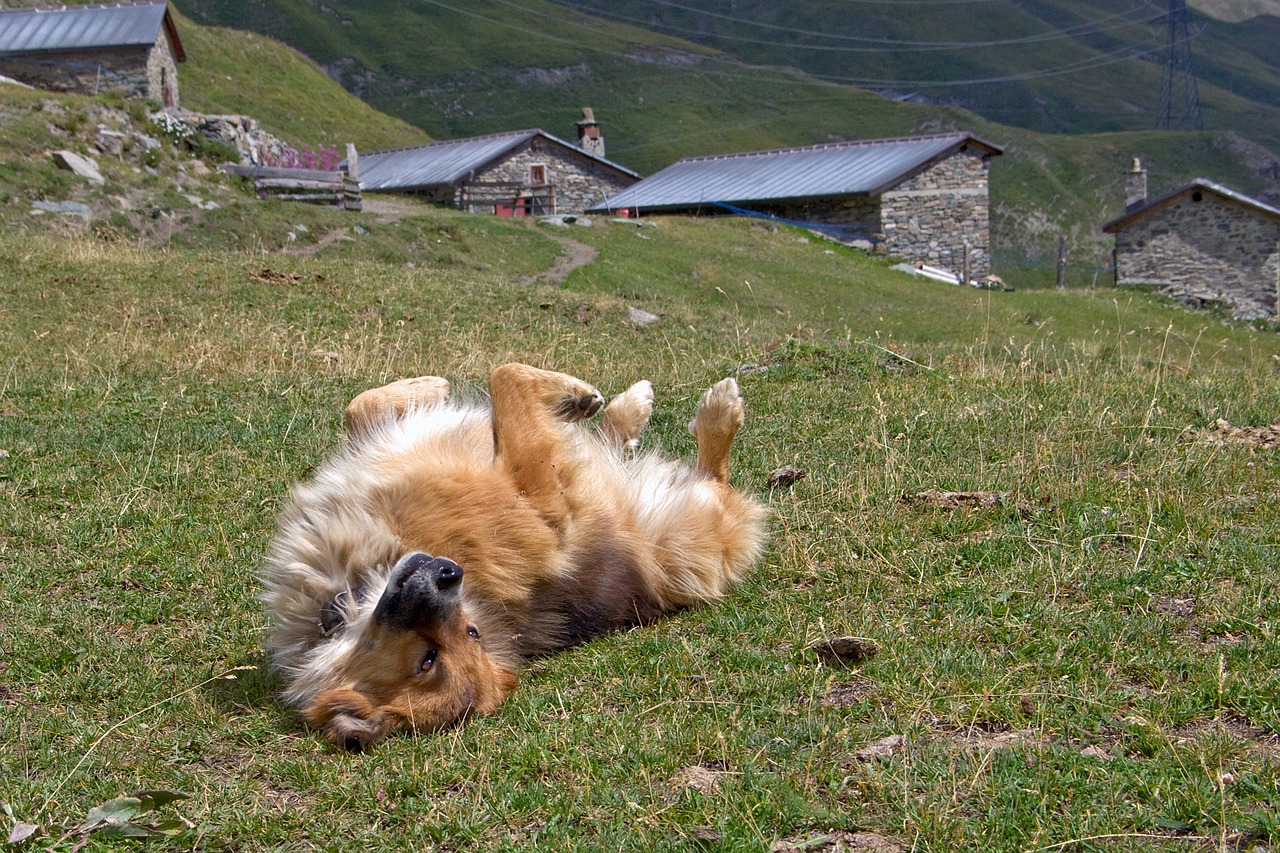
[
  {"x": 837, "y": 841},
  {"x": 953, "y": 501},
  {"x": 1258, "y": 741},
  {"x": 848, "y": 694},
  {"x": 270, "y": 276},
  {"x": 704, "y": 778},
  {"x": 1222, "y": 433},
  {"x": 991, "y": 736}
]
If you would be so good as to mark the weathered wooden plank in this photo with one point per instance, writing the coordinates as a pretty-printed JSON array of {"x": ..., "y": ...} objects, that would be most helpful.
[
  {"x": 301, "y": 184},
  {"x": 278, "y": 172}
]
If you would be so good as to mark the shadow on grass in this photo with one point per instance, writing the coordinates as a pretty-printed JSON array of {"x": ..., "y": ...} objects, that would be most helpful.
[{"x": 249, "y": 687}]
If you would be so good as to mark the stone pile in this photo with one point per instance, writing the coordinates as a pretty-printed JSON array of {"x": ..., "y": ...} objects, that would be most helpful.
[{"x": 243, "y": 133}]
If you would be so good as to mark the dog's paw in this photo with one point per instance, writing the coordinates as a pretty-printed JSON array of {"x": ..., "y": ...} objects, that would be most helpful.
[
  {"x": 721, "y": 409},
  {"x": 580, "y": 406},
  {"x": 628, "y": 414}
]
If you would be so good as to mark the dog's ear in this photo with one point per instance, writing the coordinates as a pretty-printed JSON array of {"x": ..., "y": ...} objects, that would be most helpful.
[{"x": 348, "y": 719}]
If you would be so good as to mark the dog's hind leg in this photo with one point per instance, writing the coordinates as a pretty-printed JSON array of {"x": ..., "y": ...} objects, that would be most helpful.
[
  {"x": 392, "y": 401},
  {"x": 531, "y": 409},
  {"x": 626, "y": 416},
  {"x": 720, "y": 415}
]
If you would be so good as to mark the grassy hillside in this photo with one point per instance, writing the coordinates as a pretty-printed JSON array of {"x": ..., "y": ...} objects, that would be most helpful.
[
  {"x": 1095, "y": 654},
  {"x": 234, "y": 71}
]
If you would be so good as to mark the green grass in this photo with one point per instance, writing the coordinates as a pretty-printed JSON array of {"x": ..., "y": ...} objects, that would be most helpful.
[
  {"x": 498, "y": 65},
  {"x": 1096, "y": 657},
  {"x": 231, "y": 71}
]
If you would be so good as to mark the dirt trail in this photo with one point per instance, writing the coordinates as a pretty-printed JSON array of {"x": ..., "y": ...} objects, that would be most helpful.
[{"x": 576, "y": 255}]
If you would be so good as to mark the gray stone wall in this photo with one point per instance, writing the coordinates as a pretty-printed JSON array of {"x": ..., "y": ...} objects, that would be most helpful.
[
  {"x": 1207, "y": 252},
  {"x": 856, "y": 218},
  {"x": 575, "y": 181},
  {"x": 162, "y": 73},
  {"x": 137, "y": 72},
  {"x": 938, "y": 215},
  {"x": 928, "y": 219}
]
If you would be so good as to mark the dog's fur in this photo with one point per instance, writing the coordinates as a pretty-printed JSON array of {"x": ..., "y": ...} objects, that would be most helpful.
[{"x": 444, "y": 543}]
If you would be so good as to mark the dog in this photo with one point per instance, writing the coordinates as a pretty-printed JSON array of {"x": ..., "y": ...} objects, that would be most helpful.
[{"x": 445, "y": 543}]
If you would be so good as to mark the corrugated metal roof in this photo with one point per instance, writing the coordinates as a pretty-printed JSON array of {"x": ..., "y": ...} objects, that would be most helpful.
[
  {"x": 80, "y": 27},
  {"x": 449, "y": 161},
  {"x": 1198, "y": 184},
  {"x": 835, "y": 169}
]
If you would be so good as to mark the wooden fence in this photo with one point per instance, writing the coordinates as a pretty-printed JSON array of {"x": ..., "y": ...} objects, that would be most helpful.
[{"x": 340, "y": 188}]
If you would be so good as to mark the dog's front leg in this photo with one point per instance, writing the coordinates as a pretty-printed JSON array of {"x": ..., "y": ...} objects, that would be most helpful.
[
  {"x": 378, "y": 405},
  {"x": 531, "y": 408}
]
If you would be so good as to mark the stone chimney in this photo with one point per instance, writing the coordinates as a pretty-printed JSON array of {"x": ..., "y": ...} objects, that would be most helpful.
[
  {"x": 1135, "y": 187},
  {"x": 589, "y": 138}
]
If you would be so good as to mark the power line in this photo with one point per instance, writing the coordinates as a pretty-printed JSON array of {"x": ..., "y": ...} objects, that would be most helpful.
[
  {"x": 883, "y": 44},
  {"x": 1126, "y": 53},
  {"x": 1178, "y": 73}
]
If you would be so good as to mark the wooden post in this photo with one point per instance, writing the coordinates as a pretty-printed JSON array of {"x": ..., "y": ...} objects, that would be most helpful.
[
  {"x": 964, "y": 265},
  {"x": 1062, "y": 263},
  {"x": 353, "y": 162}
]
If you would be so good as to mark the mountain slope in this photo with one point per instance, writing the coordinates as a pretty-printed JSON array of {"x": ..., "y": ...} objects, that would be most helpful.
[
  {"x": 234, "y": 71},
  {"x": 1057, "y": 66}
]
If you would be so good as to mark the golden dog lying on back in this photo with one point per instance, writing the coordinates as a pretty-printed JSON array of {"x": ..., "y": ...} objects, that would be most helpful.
[{"x": 445, "y": 543}]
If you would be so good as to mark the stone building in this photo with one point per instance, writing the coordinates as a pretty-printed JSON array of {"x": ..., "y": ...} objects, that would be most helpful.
[
  {"x": 1203, "y": 244},
  {"x": 128, "y": 47},
  {"x": 923, "y": 199},
  {"x": 521, "y": 173}
]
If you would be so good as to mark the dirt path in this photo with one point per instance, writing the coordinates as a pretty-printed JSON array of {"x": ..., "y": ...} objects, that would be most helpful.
[
  {"x": 576, "y": 255},
  {"x": 327, "y": 240}
]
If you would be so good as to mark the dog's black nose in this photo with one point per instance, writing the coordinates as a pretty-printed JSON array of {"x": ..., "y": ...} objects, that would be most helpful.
[
  {"x": 440, "y": 572},
  {"x": 447, "y": 572}
]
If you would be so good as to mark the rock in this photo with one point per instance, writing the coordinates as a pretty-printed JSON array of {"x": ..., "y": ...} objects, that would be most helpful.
[
  {"x": 109, "y": 141},
  {"x": 82, "y": 166},
  {"x": 882, "y": 748},
  {"x": 71, "y": 208},
  {"x": 641, "y": 317},
  {"x": 847, "y": 650},
  {"x": 787, "y": 475}
]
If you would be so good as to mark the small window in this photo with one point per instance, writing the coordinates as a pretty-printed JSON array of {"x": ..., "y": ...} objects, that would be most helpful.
[
  {"x": 1197, "y": 196},
  {"x": 538, "y": 175}
]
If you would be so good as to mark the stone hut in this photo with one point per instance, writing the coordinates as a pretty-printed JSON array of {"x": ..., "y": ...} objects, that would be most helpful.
[
  {"x": 521, "y": 173},
  {"x": 128, "y": 47},
  {"x": 1203, "y": 244},
  {"x": 923, "y": 199}
]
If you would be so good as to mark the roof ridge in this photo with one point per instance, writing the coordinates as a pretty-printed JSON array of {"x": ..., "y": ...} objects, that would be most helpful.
[
  {"x": 824, "y": 146},
  {"x": 45, "y": 10},
  {"x": 438, "y": 142}
]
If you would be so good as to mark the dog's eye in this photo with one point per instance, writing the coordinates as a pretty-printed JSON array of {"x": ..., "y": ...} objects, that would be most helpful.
[
  {"x": 472, "y": 632},
  {"x": 428, "y": 660}
]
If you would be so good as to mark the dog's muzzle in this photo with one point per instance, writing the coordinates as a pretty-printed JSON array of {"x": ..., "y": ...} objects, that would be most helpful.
[{"x": 422, "y": 589}]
